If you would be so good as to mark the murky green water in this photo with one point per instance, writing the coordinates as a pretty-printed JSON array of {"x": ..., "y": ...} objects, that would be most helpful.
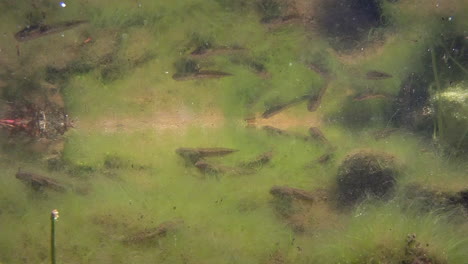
[{"x": 262, "y": 131}]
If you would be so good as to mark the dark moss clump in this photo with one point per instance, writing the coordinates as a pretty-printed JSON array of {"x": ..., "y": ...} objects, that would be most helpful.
[
  {"x": 347, "y": 22},
  {"x": 366, "y": 173}
]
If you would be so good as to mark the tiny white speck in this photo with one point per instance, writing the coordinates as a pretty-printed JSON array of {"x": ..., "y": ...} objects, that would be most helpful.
[
  {"x": 450, "y": 18},
  {"x": 167, "y": 72},
  {"x": 62, "y": 4},
  {"x": 290, "y": 64}
]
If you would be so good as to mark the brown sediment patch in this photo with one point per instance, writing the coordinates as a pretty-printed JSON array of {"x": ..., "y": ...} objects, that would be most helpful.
[
  {"x": 285, "y": 121},
  {"x": 184, "y": 118},
  {"x": 161, "y": 121}
]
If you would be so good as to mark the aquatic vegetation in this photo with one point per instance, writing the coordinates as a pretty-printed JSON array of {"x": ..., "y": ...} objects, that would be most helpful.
[
  {"x": 366, "y": 173},
  {"x": 251, "y": 162},
  {"x": 452, "y": 108}
]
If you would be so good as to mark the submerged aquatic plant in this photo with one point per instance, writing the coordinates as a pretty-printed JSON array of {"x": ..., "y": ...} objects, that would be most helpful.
[{"x": 452, "y": 108}]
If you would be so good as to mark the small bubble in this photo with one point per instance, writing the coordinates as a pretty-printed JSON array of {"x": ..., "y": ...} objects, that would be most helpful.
[{"x": 62, "y": 4}]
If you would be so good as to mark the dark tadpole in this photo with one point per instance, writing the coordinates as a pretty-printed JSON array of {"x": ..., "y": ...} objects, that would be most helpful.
[
  {"x": 376, "y": 75},
  {"x": 40, "y": 30}
]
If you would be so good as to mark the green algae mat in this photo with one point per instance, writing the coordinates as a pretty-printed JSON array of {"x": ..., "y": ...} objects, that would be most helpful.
[{"x": 214, "y": 131}]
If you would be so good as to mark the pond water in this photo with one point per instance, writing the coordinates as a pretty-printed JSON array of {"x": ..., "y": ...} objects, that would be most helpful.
[{"x": 242, "y": 131}]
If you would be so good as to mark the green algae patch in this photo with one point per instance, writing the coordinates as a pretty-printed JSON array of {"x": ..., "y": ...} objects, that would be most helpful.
[{"x": 121, "y": 167}]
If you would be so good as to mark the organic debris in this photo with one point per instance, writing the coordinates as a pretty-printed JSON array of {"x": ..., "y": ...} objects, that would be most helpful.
[
  {"x": 415, "y": 253},
  {"x": 49, "y": 122}
]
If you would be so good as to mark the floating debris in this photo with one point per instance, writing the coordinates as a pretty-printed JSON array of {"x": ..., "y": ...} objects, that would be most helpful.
[
  {"x": 291, "y": 193},
  {"x": 49, "y": 122},
  {"x": 39, "y": 182},
  {"x": 151, "y": 234},
  {"x": 200, "y": 75},
  {"x": 278, "y": 108},
  {"x": 376, "y": 75},
  {"x": 41, "y": 30}
]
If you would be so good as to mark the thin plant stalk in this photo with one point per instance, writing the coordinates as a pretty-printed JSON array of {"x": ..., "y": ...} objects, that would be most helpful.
[
  {"x": 53, "y": 218},
  {"x": 438, "y": 122}
]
